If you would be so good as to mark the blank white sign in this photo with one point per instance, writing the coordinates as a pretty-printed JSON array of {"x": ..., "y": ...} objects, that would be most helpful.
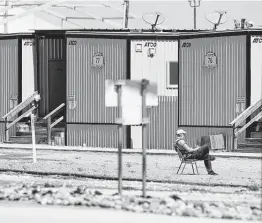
[{"x": 131, "y": 95}]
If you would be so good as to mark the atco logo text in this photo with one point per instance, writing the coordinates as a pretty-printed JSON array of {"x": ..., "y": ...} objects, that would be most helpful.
[
  {"x": 29, "y": 43},
  {"x": 72, "y": 42},
  {"x": 150, "y": 44},
  {"x": 186, "y": 45},
  {"x": 257, "y": 40}
]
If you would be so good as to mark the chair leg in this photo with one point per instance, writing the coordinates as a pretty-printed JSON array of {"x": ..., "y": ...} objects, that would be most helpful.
[
  {"x": 196, "y": 168},
  {"x": 183, "y": 168},
  {"x": 179, "y": 167},
  {"x": 193, "y": 168}
]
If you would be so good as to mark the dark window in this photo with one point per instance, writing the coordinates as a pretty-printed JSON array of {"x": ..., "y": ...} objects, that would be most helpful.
[{"x": 173, "y": 74}]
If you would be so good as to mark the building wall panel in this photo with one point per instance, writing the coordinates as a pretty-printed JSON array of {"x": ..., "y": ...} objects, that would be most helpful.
[
  {"x": 154, "y": 69},
  {"x": 163, "y": 118},
  {"x": 28, "y": 67},
  {"x": 162, "y": 127},
  {"x": 86, "y": 84},
  {"x": 2, "y": 132},
  {"x": 256, "y": 68},
  {"x": 103, "y": 136},
  {"x": 8, "y": 74},
  {"x": 195, "y": 133},
  {"x": 48, "y": 49},
  {"x": 208, "y": 96},
  {"x": 163, "y": 123},
  {"x": 12, "y": 131}
]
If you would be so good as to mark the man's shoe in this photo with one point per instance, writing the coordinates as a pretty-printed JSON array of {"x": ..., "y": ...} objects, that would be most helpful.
[
  {"x": 212, "y": 158},
  {"x": 212, "y": 173}
]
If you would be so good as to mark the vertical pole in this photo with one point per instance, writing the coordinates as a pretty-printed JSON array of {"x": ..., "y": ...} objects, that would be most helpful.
[
  {"x": 194, "y": 17},
  {"x": 6, "y": 130},
  {"x": 235, "y": 139},
  {"x": 120, "y": 141},
  {"x": 5, "y": 16},
  {"x": 33, "y": 136},
  {"x": 126, "y": 13},
  {"x": 49, "y": 130},
  {"x": 62, "y": 23},
  {"x": 144, "y": 135}
]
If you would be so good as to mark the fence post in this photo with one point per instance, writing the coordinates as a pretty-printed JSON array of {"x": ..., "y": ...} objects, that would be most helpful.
[
  {"x": 118, "y": 86},
  {"x": 144, "y": 85},
  {"x": 49, "y": 130},
  {"x": 6, "y": 130},
  {"x": 33, "y": 136},
  {"x": 234, "y": 138}
]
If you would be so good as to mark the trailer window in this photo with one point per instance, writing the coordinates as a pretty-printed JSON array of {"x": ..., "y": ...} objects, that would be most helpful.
[{"x": 172, "y": 74}]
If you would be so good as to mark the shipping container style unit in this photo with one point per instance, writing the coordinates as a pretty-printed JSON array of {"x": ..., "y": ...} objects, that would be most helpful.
[
  {"x": 123, "y": 55},
  {"x": 220, "y": 76},
  {"x": 17, "y": 72},
  {"x": 73, "y": 66},
  {"x": 205, "y": 79}
]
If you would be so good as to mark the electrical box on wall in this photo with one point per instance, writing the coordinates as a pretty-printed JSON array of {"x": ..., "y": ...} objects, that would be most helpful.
[
  {"x": 151, "y": 52},
  {"x": 138, "y": 47}
]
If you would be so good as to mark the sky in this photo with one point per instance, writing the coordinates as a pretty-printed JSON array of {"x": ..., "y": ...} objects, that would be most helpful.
[{"x": 178, "y": 15}]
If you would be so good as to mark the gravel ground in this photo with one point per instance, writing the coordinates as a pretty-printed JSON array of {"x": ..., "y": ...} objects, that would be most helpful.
[
  {"x": 237, "y": 195},
  {"x": 165, "y": 199},
  {"x": 232, "y": 171}
]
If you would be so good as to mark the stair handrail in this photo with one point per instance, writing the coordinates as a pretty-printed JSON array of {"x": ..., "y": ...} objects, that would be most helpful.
[
  {"x": 242, "y": 117},
  {"x": 255, "y": 119},
  {"x": 52, "y": 125},
  {"x": 239, "y": 119},
  {"x": 54, "y": 111},
  {"x": 32, "y": 98}
]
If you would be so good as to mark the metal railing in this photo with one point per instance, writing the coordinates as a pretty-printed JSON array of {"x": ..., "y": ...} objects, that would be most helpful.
[
  {"x": 50, "y": 125},
  {"x": 34, "y": 97},
  {"x": 242, "y": 117}
]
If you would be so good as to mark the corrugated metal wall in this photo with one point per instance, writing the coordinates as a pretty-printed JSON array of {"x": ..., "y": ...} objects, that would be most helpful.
[
  {"x": 208, "y": 96},
  {"x": 2, "y": 132},
  {"x": 12, "y": 131},
  {"x": 163, "y": 118},
  {"x": 8, "y": 74},
  {"x": 256, "y": 68},
  {"x": 195, "y": 133},
  {"x": 87, "y": 83},
  {"x": 49, "y": 49},
  {"x": 163, "y": 123},
  {"x": 103, "y": 136},
  {"x": 28, "y": 67},
  {"x": 155, "y": 68}
]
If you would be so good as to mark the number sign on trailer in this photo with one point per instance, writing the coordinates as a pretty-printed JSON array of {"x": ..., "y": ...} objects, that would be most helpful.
[{"x": 98, "y": 60}]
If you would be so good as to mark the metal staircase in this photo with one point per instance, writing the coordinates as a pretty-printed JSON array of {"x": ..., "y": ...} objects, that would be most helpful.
[
  {"x": 251, "y": 121},
  {"x": 46, "y": 132}
]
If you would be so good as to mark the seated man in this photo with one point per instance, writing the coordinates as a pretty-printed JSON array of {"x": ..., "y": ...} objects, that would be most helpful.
[{"x": 199, "y": 153}]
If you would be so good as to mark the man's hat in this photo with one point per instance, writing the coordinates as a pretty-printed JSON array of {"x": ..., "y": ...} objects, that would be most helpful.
[{"x": 180, "y": 131}]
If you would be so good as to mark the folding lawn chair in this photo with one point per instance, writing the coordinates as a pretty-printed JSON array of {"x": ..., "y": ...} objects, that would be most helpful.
[{"x": 185, "y": 161}]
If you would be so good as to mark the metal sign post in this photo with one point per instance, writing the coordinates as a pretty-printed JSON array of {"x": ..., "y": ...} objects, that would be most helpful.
[
  {"x": 144, "y": 85},
  {"x": 127, "y": 95},
  {"x": 119, "y": 121},
  {"x": 33, "y": 136}
]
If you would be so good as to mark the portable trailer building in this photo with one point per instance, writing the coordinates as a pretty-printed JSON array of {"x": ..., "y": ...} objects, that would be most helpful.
[
  {"x": 17, "y": 72},
  {"x": 219, "y": 77},
  {"x": 125, "y": 55},
  {"x": 88, "y": 120}
]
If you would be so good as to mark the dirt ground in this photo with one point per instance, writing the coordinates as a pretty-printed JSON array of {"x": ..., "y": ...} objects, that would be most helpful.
[
  {"x": 237, "y": 186},
  {"x": 232, "y": 171}
]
